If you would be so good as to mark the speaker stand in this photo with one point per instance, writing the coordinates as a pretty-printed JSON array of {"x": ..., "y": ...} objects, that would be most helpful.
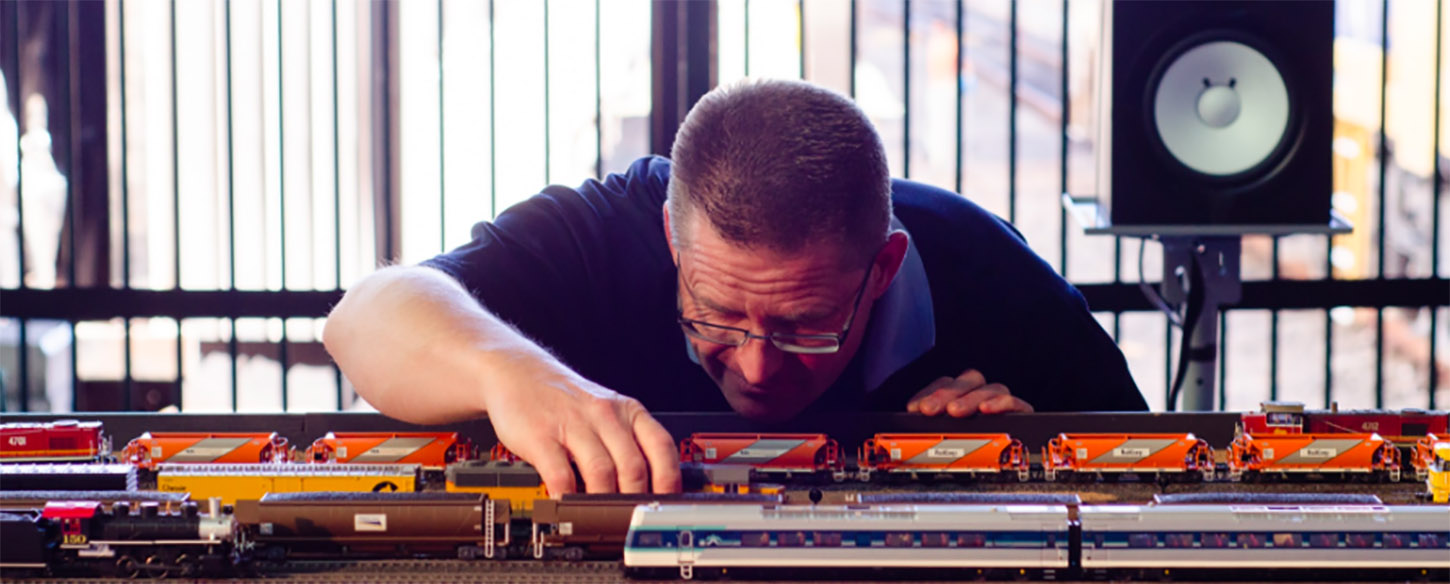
[
  {"x": 1215, "y": 259},
  {"x": 1203, "y": 255}
]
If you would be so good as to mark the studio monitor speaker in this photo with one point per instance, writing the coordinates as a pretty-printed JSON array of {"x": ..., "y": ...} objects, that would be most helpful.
[{"x": 1218, "y": 112}]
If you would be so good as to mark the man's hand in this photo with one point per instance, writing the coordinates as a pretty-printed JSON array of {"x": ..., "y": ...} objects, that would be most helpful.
[
  {"x": 616, "y": 445},
  {"x": 965, "y": 395}
]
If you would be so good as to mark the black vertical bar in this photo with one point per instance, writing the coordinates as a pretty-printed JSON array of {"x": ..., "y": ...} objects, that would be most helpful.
[
  {"x": 13, "y": 85},
  {"x": 1435, "y": 178},
  {"x": 960, "y": 91},
  {"x": 747, "y": 38},
  {"x": 384, "y": 122},
  {"x": 1168, "y": 363},
  {"x": 492, "y": 126},
  {"x": 547, "y": 142},
  {"x": 906, "y": 88},
  {"x": 1012, "y": 114},
  {"x": 1222, "y": 360},
  {"x": 232, "y": 349},
  {"x": 1273, "y": 332},
  {"x": 175, "y": 195},
  {"x": 336, "y": 197},
  {"x": 801, "y": 14},
  {"x": 72, "y": 164},
  {"x": 282, "y": 192},
  {"x": 852, "y": 66},
  {"x": 598, "y": 97},
  {"x": 127, "y": 377},
  {"x": 442, "y": 152},
  {"x": 1384, "y": 160},
  {"x": 1062, "y": 136}
]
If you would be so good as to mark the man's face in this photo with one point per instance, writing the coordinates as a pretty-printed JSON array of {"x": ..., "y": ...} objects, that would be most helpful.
[{"x": 764, "y": 292}]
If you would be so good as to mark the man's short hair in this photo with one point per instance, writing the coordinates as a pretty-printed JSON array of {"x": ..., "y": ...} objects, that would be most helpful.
[{"x": 781, "y": 164}]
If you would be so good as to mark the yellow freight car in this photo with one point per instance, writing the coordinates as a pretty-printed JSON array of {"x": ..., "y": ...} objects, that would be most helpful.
[
  {"x": 517, "y": 482},
  {"x": 233, "y": 482}
]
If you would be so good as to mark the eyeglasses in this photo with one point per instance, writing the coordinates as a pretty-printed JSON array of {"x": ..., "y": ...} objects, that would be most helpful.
[{"x": 811, "y": 344}]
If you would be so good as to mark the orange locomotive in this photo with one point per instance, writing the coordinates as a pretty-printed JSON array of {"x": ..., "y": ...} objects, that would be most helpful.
[
  {"x": 779, "y": 454},
  {"x": 432, "y": 450},
  {"x": 1251, "y": 456},
  {"x": 964, "y": 454},
  {"x": 1181, "y": 455},
  {"x": 153, "y": 448}
]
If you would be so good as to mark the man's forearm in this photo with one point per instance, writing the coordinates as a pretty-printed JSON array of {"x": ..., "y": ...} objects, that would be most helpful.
[{"x": 419, "y": 348}]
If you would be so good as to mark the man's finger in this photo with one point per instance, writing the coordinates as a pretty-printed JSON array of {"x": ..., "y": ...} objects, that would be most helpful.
[
  {"x": 936, "y": 403},
  {"x": 970, "y": 379},
  {"x": 1005, "y": 403},
  {"x": 968, "y": 403},
  {"x": 659, "y": 448},
  {"x": 552, "y": 462},
  {"x": 631, "y": 469},
  {"x": 593, "y": 460},
  {"x": 914, "y": 406}
]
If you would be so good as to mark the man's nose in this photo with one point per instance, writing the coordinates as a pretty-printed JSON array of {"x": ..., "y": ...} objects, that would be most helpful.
[{"x": 758, "y": 359}]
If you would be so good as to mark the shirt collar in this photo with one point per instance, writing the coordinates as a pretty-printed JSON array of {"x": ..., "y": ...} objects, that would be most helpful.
[{"x": 903, "y": 324}]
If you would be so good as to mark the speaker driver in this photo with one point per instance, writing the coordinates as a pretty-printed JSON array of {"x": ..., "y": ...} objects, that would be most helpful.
[{"x": 1221, "y": 108}]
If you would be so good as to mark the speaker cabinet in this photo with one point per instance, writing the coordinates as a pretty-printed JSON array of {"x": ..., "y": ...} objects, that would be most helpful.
[{"x": 1220, "y": 111}]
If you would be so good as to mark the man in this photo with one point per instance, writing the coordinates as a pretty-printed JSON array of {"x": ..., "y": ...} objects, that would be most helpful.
[{"x": 764, "y": 260}]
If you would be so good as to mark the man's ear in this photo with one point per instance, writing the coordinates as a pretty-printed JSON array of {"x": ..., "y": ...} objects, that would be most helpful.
[
  {"x": 669, "y": 239},
  {"x": 888, "y": 261}
]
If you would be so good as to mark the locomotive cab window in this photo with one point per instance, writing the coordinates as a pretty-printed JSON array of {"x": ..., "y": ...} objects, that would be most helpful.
[{"x": 649, "y": 539}]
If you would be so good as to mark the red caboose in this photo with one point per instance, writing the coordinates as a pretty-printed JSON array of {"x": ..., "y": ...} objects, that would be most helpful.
[
  {"x": 778, "y": 454},
  {"x": 958, "y": 454},
  {"x": 62, "y": 440}
]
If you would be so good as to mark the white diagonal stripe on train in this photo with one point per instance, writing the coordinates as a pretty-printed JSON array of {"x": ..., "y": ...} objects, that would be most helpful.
[
  {"x": 208, "y": 450},
  {"x": 948, "y": 451},
  {"x": 1133, "y": 450},
  {"x": 1319, "y": 451},
  {"x": 392, "y": 450},
  {"x": 762, "y": 451}
]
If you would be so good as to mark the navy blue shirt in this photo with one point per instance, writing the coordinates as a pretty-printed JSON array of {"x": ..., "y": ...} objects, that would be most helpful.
[{"x": 587, "y": 273}]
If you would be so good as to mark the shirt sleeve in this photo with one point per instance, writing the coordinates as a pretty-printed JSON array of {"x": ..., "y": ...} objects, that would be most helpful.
[{"x": 551, "y": 265}]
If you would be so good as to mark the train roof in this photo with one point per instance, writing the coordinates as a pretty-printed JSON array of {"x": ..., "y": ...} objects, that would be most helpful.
[
  {"x": 287, "y": 469},
  {"x": 1229, "y": 518},
  {"x": 381, "y": 498},
  {"x": 850, "y": 517}
]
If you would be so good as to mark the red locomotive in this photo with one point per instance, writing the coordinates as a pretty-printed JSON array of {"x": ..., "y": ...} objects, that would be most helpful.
[
  {"x": 1403, "y": 427},
  {"x": 957, "y": 454},
  {"x": 777, "y": 454},
  {"x": 62, "y": 440}
]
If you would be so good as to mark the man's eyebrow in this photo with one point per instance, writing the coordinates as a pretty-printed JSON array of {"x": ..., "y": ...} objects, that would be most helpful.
[{"x": 711, "y": 305}]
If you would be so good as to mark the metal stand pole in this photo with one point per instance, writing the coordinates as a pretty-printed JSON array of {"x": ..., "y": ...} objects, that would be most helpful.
[{"x": 1217, "y": 261}]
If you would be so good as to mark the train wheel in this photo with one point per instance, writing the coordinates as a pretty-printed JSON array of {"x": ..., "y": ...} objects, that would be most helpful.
[
  {"x": 126, "y": 567},
  {"x": 183, "y": 565},
  {"x": 155, "y": 567}
]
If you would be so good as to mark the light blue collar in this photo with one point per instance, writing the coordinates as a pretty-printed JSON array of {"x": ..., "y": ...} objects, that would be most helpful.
[{"x": 903, "y": 324}]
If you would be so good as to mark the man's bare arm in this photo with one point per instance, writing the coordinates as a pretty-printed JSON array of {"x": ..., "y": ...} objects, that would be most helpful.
[{"x": 418, "y": 347}]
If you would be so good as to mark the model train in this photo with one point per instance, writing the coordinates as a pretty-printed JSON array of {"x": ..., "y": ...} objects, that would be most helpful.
[
  {"x": 1052, "y": 540},
  {"x": 689, "y": 533}
]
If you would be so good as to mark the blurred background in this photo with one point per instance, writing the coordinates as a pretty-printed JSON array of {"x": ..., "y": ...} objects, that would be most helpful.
[{"x": 187, "y": 187}]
